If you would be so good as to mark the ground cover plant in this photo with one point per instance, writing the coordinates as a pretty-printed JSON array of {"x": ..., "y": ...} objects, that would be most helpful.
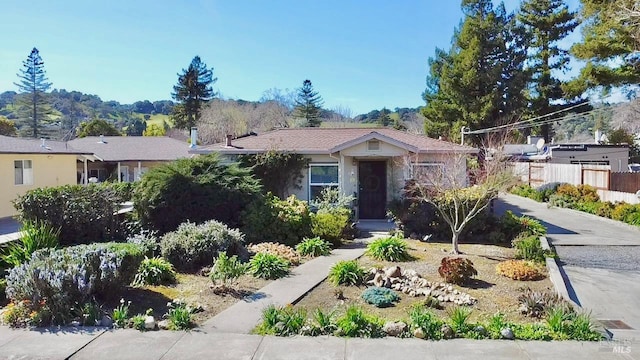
[
  {"x": 155, "y": 271},
  {"x": 346, "y": 272},
  {"x": 313, "y": 247},
  {"x": 519, "y": 270},
  {"x": 268, "y": 266}
]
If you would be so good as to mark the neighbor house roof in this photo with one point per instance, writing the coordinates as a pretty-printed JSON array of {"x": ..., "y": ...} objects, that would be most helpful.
[
  {"x": 132, "y": 148},
  {"x": 328, "y": 141},
  {"x": 14, "y": 145}
]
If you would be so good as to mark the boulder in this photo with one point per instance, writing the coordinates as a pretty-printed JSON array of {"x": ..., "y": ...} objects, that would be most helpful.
[
  {"x": 418, "y": 333},
  {"x": 393, "y": 271},
  {"x": 507, "y": 333},
  {"x": 106, "y": 321},
  {"x": 163, "y": 324},
  {"x": 394, "y": 328},
  {"x": 447, "y": 331},
  {"x": 378, "y": 280},
  {"x": 149, "y": 323}
]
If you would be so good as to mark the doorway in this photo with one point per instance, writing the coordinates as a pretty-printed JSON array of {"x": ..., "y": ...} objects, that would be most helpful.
[{"x": 372, "y": 189}]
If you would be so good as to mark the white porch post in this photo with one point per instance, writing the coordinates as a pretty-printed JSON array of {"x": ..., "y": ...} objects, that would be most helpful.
[
  {"x": 119, "y": 177},
  {"x": 139, "y": 171},
  {"x": 341, "y": 174},
  {"x": 86, "y": 172}
]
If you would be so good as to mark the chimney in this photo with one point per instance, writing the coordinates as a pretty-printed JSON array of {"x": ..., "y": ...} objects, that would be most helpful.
[
  {"x": 194, "y": 137},
  {"x": 42, "y": 145},
  {"x": 229, "y": 138},
  {"x": 598, "y": 136},
  {"x": 102, "y": 139}
]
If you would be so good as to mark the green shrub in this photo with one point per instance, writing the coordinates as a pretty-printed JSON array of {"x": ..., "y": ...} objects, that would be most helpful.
[
  {"x": 35, "y": 235},
  {"x": 323, "y": 323},
  {"x": 513, "y": 225},
  {"x": 268, "y": 266},
  {"x": 355, "y": 323},
  {"x": 226, "y": 270},
  {"x": 627, "y": 213},
  {"x": 527, "y": 191},
  {"x": 536, "y": 304},
  {"x": 3, "y": 289},
  {"x": 283, "y": 221},
  {"x": 529, "y": 248},
  {"x": 380, "y": 296},
  {"x": 180, "y": 316},
  {"x": 84, "y": 214},
  {"x": 120, "y": 315},
  {"x": 329, "y": 226},
  {"x": 456, "y": 270},
  {"x": 425, "y": 320},
  {"x": 346, "y": 272},
  {"x": 192, "y": 246},
  {"x": 388, "y": 249},
  {"x": 605, "y": 209},
  {"x": 278, "y": 171},
  {"x": 582, "y": 329},
  {"x": 155, "y": 271},
  {"x": 194, "y": 189},
  {"x": 281, "y": 321},
  {"x": 313, "y": 247},
  {"x": 458, "y": 319},
  {"x": 73, "y": 275}
]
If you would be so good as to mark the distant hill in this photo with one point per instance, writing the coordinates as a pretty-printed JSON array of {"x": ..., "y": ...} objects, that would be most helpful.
[{"x": 70, "y": 108}]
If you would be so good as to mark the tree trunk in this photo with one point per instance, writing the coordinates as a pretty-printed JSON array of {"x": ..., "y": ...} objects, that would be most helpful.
[{"x": 454, "y": 242}]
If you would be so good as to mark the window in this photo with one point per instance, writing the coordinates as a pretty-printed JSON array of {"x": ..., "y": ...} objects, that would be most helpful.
[
  {"x": 427, "y": 173},
  {"x": 320, "y": 177},
  {"x": 99, "y": 174},
  {"x": 373, "y": 145},
  {"x": 23, "y": 172}
]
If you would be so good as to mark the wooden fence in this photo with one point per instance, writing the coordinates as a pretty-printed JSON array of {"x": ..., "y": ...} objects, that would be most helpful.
[
  {"x": 611, "y": 186},
  {"x": 625, "y": 182}
]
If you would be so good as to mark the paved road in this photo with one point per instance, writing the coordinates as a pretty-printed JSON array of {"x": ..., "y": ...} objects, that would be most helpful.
[{"x": 600, "y": 258}]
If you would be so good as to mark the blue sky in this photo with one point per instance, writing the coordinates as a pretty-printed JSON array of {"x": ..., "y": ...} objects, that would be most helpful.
[{"x": 360, "y": 54}]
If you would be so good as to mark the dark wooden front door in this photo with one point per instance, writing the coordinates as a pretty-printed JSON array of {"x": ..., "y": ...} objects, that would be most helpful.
[{"x": 372, "y": 195}]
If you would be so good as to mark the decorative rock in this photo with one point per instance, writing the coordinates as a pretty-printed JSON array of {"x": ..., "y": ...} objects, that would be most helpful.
[
  {"x": 481, "y": 330},
  {"x": 394, "y": 328},
  {"x": 447, "y": 331},
  {"x": 418, "y": 333},
  {"x": 412, "y": 293},
  {"x": 106, "y": 321},
  {"x": 507, "y": 333},
  {"x": 387, "y": 283},
  {"x": 75, "y": 323},
  {"x": 440, "y": 298},
  {"x": 163, "y": 324},
  {"x": 393, "y": 272},
  {"x": 149, "y": 323},
  {"x": 449, "y": 288},
  {"x": 378, "y": 280}
]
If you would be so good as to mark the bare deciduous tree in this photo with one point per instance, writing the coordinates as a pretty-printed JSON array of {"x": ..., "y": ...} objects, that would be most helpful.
[{"x": 447, "y": 186}]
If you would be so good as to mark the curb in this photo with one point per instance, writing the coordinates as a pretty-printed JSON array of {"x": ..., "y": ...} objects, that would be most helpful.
[{"x": 562, "y": 288}]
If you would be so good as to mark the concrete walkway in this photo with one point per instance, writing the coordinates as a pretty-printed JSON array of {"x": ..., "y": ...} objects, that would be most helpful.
[
  {"x": 131, "y": 344},
  {"x": 597, "y": 281},
  {"x": 244, "y": 315}
]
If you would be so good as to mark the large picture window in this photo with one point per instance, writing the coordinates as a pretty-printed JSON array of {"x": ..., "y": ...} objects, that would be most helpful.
[
  {"x": 322, "y": 176},
  {"x": 428, "y": 173},
  {"x": 23, "y": 172}
]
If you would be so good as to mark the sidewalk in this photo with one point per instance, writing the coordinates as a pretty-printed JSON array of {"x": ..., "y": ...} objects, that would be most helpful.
[{"x": 132, "y": 344}]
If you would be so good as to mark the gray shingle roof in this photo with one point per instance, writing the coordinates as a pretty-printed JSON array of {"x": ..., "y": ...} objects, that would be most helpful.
[
  {"x": 133, "y": 148},
  {"x": 13, "y": 145},
  {"x": 327, "y": 140}
]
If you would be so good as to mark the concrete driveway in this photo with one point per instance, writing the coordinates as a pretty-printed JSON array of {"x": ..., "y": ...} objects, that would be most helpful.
[{"x": 600, "y": 258}]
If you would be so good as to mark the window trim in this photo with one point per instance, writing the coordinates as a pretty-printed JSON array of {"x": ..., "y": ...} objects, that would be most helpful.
[
  {"x": 324, "y": 185},
  {"x": 26, "y": 180}
]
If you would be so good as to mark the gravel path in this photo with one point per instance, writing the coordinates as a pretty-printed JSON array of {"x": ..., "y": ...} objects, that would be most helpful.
[{"x": 621, "y": 258}]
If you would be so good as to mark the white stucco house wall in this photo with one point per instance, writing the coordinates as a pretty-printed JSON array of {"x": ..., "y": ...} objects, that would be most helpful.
[{"x": 372, "y": 164}]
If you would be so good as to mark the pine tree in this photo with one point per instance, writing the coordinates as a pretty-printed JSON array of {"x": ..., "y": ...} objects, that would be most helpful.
[
  {"x": 192, "y": 91},
  {"x": 547, "y": 22},
  {"x": 33, "y": 109},
  {"x": 610, "y": 39},
  {"x": 384, "y": 119},
  {"x": 479, "y": 82},
  {"x": 308, "y": 104}
]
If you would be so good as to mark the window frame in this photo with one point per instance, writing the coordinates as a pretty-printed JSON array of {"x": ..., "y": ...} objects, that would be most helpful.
[
  {"x": 322, "y": 184},
  {"x": 26, "y": 173}
]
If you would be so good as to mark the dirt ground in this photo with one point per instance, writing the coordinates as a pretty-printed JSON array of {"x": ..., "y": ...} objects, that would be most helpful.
[
  {"x": 495, "y": 293},
  {"x": 192, "y": 288}
]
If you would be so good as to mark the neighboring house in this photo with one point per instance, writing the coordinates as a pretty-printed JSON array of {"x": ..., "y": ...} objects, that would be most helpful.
[
  {"x": 370, "y": 163},
  {"x": 617, "y": 156},
  {"x": 26, "y": 164},
  {"x": 129, "y": 156}
]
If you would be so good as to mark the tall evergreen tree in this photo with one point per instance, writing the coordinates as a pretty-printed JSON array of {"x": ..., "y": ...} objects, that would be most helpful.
[
  {"x": 33, "y": 109},
  {"x": 610, "y": 43},
  {"x": 308, "y": 104},
  {"x": 547, "y": 22},
  {"x": 479, "y": 82},
  {"x": 384, "y": 119},
  {"x": 193, "y": 90}
]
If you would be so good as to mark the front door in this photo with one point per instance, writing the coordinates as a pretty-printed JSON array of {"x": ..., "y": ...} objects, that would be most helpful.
[{"x": 372, "y": 195}]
